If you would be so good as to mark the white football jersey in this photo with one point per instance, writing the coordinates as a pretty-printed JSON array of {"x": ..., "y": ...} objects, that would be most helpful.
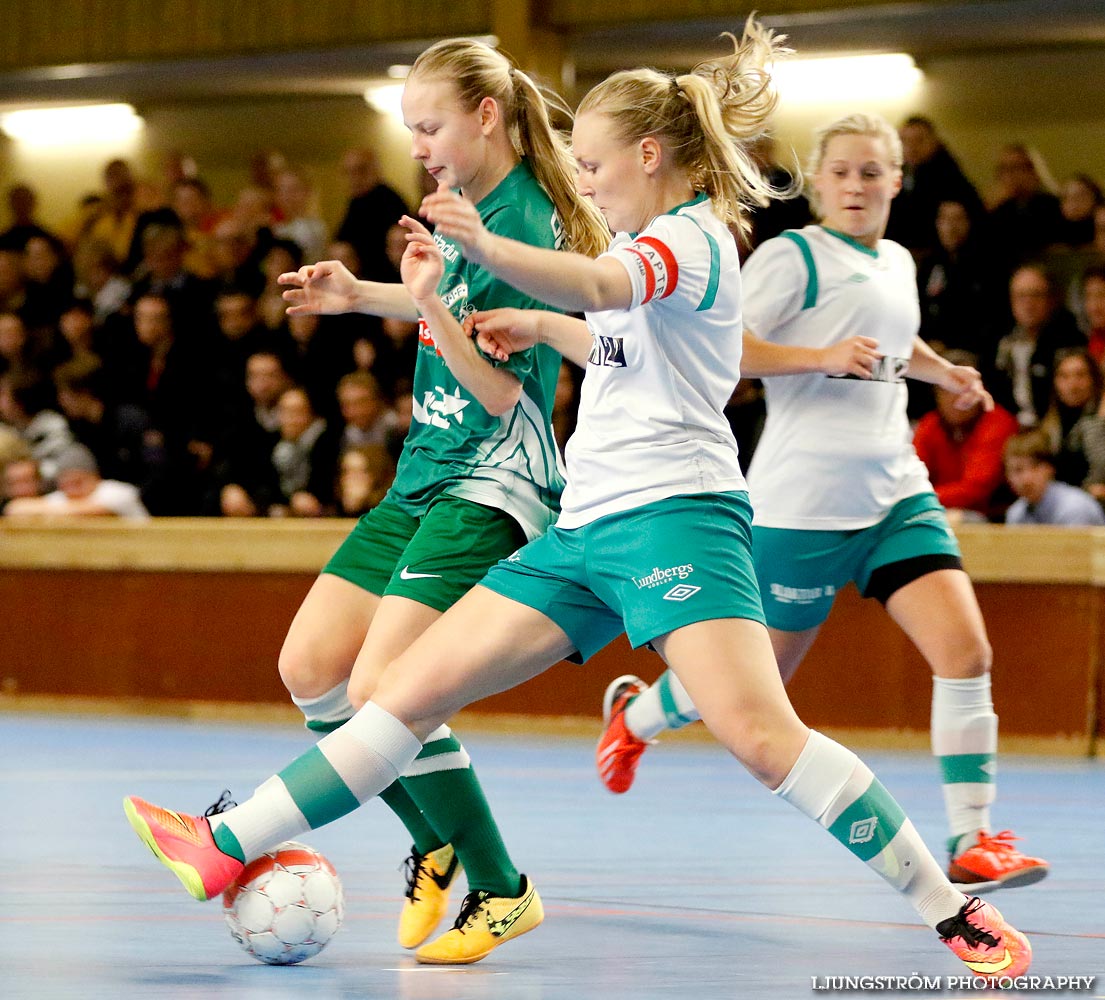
[
  {"x": 836, "y": 453},
  {"x": 650, "y": 420}
]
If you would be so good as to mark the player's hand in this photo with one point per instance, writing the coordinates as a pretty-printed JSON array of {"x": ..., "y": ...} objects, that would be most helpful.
[
  {"x": 457, "y": 218},
  {"x": 503, "y": 332},
  {"x": 325, "y": 288},
  {"x": 966, "y": 384},
  {"x": 422, "y": 265},
  {"x": 856, "y": 356}
]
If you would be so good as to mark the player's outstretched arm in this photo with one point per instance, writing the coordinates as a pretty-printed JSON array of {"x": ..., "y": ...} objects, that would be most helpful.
[
  {"x": 503, "y": 332},
  {"x": 926, "y": 365},
  {"x": 568, "y": 281},
  {"x": 855, "y": 356},
  {"x": 329, "y": 287}
]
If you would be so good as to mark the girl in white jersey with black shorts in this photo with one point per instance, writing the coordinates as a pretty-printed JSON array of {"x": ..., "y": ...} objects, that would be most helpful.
[
  {"x": 655, "y": 532},
  {"x": 840, "y": 493}
]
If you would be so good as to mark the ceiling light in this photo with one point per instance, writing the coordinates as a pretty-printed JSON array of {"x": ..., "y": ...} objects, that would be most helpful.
[
  {"x": 100, "y": 123},
  {"x": 386, "y": 98},
  {"x": 835, "y": 79}
]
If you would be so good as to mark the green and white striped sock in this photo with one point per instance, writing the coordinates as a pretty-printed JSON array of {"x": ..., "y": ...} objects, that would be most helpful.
[
  {"x": 344, "y": 769},
  {"x": 831, "y": 785},
  {"x": 964, "y": 731},
  {"x": 665, "y": 705}
]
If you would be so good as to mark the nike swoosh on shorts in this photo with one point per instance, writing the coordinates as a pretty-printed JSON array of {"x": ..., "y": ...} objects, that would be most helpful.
[{"x": 406, "y": 574}]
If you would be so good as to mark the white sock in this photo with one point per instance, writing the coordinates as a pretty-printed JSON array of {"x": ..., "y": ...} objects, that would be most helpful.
[
  {"x": 665, "y": 705},
  {"x": 831, "y": 785},
  {"x": 964, "y": 732},
  {"x": 346, "y": 768},
  {"x": 328, "y": 711}
]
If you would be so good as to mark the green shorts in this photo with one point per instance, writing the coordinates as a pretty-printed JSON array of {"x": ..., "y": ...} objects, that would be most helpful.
[
  {"x": 801, "y": 571},
  {"x": 434, "y": 559},
  {"x": 645, "y": 571}
]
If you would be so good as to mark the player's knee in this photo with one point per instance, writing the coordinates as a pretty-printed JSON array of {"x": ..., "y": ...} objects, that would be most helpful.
[
  {"x": 363, "y": 685},
  {"x": 298, "y": 673},
  {"x": 971, "y": 657}
]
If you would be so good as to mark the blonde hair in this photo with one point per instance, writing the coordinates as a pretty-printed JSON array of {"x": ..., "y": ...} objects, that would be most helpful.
[
  {"x": 856, "y": 124},
  {"x": 477, "y": 71},
  {"x": 705, "y": 118}
]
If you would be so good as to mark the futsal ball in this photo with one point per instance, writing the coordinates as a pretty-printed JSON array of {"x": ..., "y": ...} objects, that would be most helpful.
[{"x": 286, "y": 905}]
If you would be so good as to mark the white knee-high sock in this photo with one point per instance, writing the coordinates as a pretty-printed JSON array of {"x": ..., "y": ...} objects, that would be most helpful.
[
  {"x": 665, "y": 705},
  {"x": 831, "y": 785},
  {"x": 327, "y": 711},
  {"x": 964, "y": 731},
  {"x": 343, "y": 770}
]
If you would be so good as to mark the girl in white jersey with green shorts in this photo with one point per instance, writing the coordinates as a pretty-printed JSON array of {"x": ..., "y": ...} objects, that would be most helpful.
[
  {"x": 479, "y": 473},
  {"x": 840, "y": 493},
  {"x": 655, "y": 531}
]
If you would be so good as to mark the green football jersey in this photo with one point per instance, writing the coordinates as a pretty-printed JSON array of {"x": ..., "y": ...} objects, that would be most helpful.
[{"x": 454, "y": 445}]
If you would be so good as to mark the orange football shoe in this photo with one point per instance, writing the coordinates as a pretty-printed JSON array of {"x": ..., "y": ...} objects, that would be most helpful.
[
  {"x": 980, "y": 938},
  {"x": 185, "y": 846},
  {"x": 619, "y": 751},
  {"x": 992, "y": 862}
]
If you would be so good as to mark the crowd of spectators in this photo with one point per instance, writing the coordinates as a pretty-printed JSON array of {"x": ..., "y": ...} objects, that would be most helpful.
[{"x": 149, "y": 345}]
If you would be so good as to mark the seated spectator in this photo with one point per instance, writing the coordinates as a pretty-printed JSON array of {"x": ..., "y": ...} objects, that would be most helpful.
[
  {"x": 299, "y": 220},
  {"x": 778, "y": 214},
  {"x": 237, "y": 255},
  {"x": 21, "y": 480},
  {"x": 930, "y": 176},
  {"x": 1079, "y": 196},
  {"x": 305, "y": 458},
  {"x": 120, "y": 436},
  {"x": 962, "y": 449},
  {"x": 365, "y": 474},
  {"x": 161, "y": 271},
  {"x": 48, "y": 277},
  {"x": 373, "y": 208},
  {"x": 245, "y": 479},
  {"x": 1026, "y": 218},
  {"x": 1030, "y": 470},
  {"x": 1076, "y": 395},
  {"x": 1021, "y": 376},
  {"x": 191, "y": 201},
  {"x": 98, "y": 279},
  {"x": 16, "y": 351},
  {"x": 26, "y": 405},
  {"x": 320, "y": 354},
  {"x": 364, "y": 410},
  {"x": 239, "y": 333},
  {"x": 959, "y": 292},
  {"x": 283, "y": 256},
  {"x": 1092, "y": 296},
  {"x": 78, "y": 332},
  {"x": 118, "y": 214},
  {"x": 82, "y": 492},
  {"x": 23, "y": 203}
]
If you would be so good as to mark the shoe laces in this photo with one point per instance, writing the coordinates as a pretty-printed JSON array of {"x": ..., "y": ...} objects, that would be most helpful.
[
  {"x": 412, "y": 871},
  {"x": 997, "y": 841},
  {"x": 960, "y": 926},
  {"x": 221, "y": 805},
  {"x": 469, "y": 907}
]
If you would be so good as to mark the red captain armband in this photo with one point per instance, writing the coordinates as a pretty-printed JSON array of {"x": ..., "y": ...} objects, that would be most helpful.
[{"x": 657, "y": 266}]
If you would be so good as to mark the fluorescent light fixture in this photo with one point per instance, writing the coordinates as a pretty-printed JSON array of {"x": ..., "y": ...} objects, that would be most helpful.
[
  {"x": 99, "y": 123},
  {"x": 386, "y": 98},
  {"x": 398, "y": 72},
  {"x": 835, "y": 79}
]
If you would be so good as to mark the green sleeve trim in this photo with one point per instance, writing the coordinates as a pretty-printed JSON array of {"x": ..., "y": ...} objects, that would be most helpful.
[
  {"x": 811, "y": 268},
  {"x": 715, "y": 274}
]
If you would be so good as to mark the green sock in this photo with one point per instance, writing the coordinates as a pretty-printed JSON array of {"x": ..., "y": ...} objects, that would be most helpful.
[
  {"x": 442, "y": 783},
  {"x": 400, "y": 802}
]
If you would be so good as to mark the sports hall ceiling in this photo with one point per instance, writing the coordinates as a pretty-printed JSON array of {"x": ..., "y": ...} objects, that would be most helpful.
[{"x": 593, "y": 47}]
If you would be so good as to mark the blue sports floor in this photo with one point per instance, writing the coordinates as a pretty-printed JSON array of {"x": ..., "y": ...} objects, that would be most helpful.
[{"x": 696, "y": 884}]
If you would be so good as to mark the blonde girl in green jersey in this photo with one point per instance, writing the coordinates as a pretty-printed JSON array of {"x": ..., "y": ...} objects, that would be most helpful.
[{"x": 479, "y": 474}]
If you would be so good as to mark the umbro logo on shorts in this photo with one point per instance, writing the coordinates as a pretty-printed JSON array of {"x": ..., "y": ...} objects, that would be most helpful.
[
  {"x": 406, "y": 574},
  {"x": 680, "y": 592}
]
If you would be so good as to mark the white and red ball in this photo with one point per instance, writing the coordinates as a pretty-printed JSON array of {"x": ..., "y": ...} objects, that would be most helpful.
[{"x": 286, "y": 905}]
